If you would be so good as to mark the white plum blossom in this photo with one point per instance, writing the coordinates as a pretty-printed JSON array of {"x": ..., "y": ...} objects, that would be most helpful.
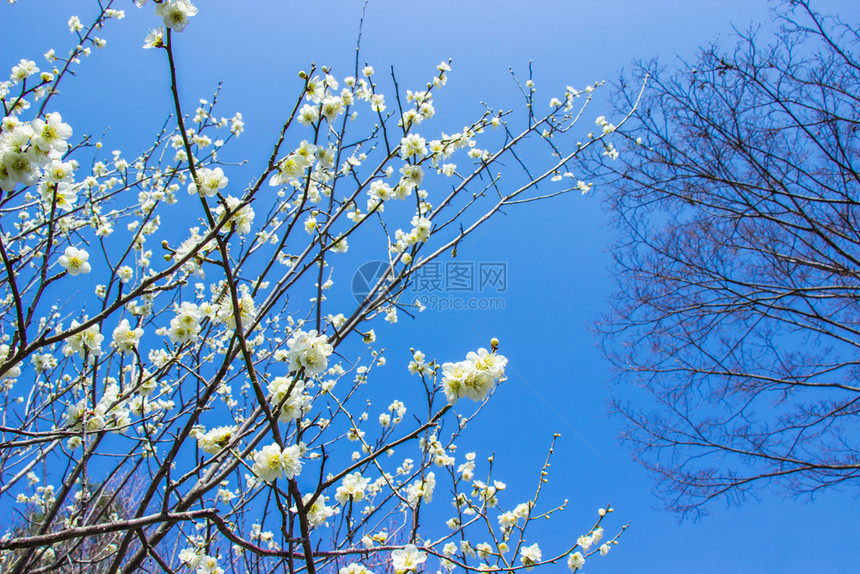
[
  {"x": 407, "y": 559},
  {"x": 291, "y": 460},
  {"x": 352, "y": 488},
  {"x": 185, "y": 326},
  {"x": 522, "y": 510},
  {"x": 317, "y": 511},
  {"x": 74, "y": 261},
  {"x": 332, "y": 107},
  {"x": 125, "y": 338},
  {"x": 58, "y": 171},
  {"x": 421, "y": 489},
  {"x": 484, "y": 550},
  {"x": 467, "y": 469},
  {"x": 267, "y": 463},
  {"x": 242, "y": 219},
  {"x": 473, "y": 378},
  {"x": 110, "y": 413},
  {"x": 413, "y": 145},
  {"x": 175, "y": 13},
  {"x": 194, "y": 244},
  {"x": 530, "y": 555},
  {"x": 50, "y": 134},
  {"x": 209, "y": 565},
  {"x": 154, "y": 39},
  {"x": 311, "y": 224},
  {"x": 296, "y": 405},
  {"x": 87, "y": 341},
  {"x": 42, "y": 361},
  {"x": 377, "y": 102},
  {"x": 575, "y": 561},
  {"x": 211, "y": 182},
  {"x": 308, "y": 351},
  {"x": 604, "y": 549},
  {"x": 340, "y": 245},
  {"x": 200, "y": 563},
  {"x": 507, "y": 520},
  {"x": 585, "y": 542},
  {"x": 23, "y": 70},
  {"x": 12, "y": 371},
  {"x": 271, "y": 462},
  {"x": 17, "y": 167},
  {"x": 125, "y": 274},
  {"x": 191, "y": 558},
  {"x": 215, "y": 439},
  {"x": 308, "y": 114},
  {"x": 247, "y": 310},
  {"x": 417, "y": 365}
]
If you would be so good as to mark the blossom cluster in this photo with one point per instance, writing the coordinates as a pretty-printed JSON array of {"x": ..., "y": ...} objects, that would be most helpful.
[
  {"x": 272, "y": 462},
  {"x": 473, "y": 378},
  {"x": 32, "y": 153},
  {"x": 308, "y": 352}
]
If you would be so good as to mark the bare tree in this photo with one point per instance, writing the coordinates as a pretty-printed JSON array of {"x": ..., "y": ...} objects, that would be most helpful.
[{"x": 738, "y": 265}]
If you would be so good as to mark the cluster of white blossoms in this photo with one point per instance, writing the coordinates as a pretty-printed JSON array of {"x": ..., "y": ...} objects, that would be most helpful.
[
  {"x": 85, "y": 342},
  {"x": 604, "y": 124},
  {"x": 317, "y": 511},
  {"x": 272, "y": 462},
  {"x": 185, "y": 325},
  {"x": 125, "y": 338},
  {"x": 530, "y": 555},
  {"x": 194, "y": 243},
  {"x": 293, "y": 168},
  {"x": 211, "y": 182},
  {"x": 474, "y": 377},
  {"x": 420, "y": 232},
  {"x": 213, "y": 440},
  {"x": 413, "y": 146},
  {"x": 576, "y": 560},
  {"x": 247, "y": 310},
  {"x": 397, "y": 410},
  {"x": 175, "y": 13},
  {"x": 12, "y": 372},
  {"x": 42, "y": 498},
  {"x": 595, "y": 536},
  {"x": 507, "y": 520},
  {"x": 195, "y": 559},
  {"x": 110, "y": 413},
  {"x": 351, "y": 488},
  {"x": 289, "y": 395},
  {"x": 417, "y": 364},
  {"x": 29, "y": 150},
  {"x": 407, "y": 559},
  {"x": 308, "y": 351},
  {"x": 511, "y": 524},
  {"x": 421, "y": 489},
  {"x": 325, "y": 103},
  {"x": 242, "y": 215}
]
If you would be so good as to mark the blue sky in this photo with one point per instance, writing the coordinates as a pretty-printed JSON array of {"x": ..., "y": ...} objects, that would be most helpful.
[{"x": 555, "y": 252}]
